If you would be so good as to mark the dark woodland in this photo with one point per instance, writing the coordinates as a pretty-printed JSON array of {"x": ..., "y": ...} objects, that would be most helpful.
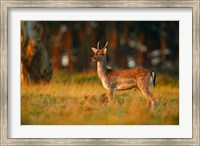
[{"x": 51, "y": 46}]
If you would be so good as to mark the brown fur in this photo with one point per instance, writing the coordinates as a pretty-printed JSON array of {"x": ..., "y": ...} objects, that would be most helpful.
[{"x": 115, "y": 80}]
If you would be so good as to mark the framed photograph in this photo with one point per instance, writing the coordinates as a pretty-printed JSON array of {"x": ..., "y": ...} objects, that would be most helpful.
[{"x": 100, "y": 72}]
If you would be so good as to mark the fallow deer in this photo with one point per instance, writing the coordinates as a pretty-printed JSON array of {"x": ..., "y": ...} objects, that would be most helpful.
[{"x": 114, "y": 80}]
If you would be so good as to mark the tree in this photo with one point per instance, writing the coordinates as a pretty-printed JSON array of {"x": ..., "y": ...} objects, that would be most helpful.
[{"x": 35, "y": 61}]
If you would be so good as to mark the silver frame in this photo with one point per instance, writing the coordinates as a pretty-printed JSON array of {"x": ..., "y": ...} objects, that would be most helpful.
[{"x": 5, "y": 5}]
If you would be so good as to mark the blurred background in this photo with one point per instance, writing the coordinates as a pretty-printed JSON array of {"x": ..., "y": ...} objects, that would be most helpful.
[{"x": 48, "y": 47}]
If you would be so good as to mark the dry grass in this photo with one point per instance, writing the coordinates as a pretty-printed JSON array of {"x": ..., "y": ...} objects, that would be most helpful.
[{"x": 81, "y": 99}]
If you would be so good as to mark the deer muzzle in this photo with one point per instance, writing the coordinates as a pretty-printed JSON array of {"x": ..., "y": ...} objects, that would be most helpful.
[{"x": 94, "y": 59}]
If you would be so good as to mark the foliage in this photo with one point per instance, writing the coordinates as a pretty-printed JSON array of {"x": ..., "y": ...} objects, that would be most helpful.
[{"x": 81, "y": 99}]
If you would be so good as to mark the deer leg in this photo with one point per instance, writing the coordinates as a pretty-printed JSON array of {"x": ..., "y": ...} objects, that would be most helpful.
[
  {"x": 148, "y": 104},
  {"x": 152, "y": 99},
  {"x": 149, "y": 96},
  {"x": 110, "y": 96}
]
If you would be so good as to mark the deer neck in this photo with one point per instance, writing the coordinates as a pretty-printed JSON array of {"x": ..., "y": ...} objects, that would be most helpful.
[{"x": 101, "y": 67}]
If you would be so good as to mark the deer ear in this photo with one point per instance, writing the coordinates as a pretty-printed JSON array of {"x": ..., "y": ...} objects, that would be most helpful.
[
  {"x": 104, "y": 51},
  {"x": 94, "y": 50}
]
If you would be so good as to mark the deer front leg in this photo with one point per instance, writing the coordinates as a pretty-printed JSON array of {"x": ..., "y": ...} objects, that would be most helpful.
[{"x": 110, "y": 96}]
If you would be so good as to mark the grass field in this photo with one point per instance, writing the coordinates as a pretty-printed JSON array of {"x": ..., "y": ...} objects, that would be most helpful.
[{"x": 81, "y": 99}]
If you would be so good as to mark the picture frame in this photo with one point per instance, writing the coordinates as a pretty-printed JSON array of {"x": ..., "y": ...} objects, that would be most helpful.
[{"x": 5, "y": 5}]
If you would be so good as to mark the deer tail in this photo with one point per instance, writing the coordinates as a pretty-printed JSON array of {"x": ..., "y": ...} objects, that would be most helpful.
[{"x": 153, "y": 78}]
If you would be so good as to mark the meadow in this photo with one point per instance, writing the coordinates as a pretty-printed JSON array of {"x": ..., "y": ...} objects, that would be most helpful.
[{"x": 81, "y": 99}]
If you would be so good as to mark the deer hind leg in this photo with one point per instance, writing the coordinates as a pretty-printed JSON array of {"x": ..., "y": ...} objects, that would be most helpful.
[
  {"x": 149, "y": 97},
  {"x": 110, "y": 96}
]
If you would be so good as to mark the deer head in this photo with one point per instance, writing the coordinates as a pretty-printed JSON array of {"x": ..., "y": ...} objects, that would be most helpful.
[{"x": 99, "y": 53}]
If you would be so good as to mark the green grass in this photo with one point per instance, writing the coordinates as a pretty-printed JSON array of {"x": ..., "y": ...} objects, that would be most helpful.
[{"x": 81, "y": 99}]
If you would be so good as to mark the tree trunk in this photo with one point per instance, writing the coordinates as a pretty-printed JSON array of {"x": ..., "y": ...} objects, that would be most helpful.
[
  {"x": 140, "y": 58},
  {"x": 35, "y": 62},
  {"x": 111, "y": 36},
  {"x": 162, "y": 43}
]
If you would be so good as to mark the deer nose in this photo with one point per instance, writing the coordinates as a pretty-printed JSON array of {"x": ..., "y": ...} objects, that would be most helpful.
[{"x": 93, "y": 59}]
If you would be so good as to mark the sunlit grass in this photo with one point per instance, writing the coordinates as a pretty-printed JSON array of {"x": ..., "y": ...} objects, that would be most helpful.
[{"x": 81, "y": 99}]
